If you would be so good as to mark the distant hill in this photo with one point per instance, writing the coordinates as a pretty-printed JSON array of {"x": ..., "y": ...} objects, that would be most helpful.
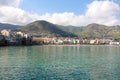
[
  {"x": 94, "y": 30},
  {"x": 45, "y": 28},
  {"x": 100, "y": 31},
  {"x": 8, "y": 26},
  {"x": 72, "y": 29}
]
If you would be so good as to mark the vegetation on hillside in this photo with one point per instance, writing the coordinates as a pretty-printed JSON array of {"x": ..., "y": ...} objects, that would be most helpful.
[
  {"x": 44, "y": 28},
  {"x": 8, "y": 26},
  {"x": 94, "y": 31}
]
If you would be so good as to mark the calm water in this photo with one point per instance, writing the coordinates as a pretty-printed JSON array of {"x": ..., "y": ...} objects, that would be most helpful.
[{"x": 60, "y": 63}]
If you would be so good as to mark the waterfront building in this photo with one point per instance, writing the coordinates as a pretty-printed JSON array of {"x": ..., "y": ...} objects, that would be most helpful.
[
  {"x": 5, "y": 32},
  {"x": 114, "y": 43},
  {"x": 92, "y": 41},
  {"x": 19, "y": 34}
]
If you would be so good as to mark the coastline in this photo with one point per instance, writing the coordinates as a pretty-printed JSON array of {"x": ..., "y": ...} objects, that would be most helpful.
[
  {"x": 73, "y": 45},
  {"x": 56, "y": 45}
]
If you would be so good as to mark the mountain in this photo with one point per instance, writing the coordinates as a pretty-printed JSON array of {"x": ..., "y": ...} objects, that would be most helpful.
[
  {"x": 100, "y": 31},
  {"x": 72, "y": 29},
  {"x": 45, "y": 28},
  {"x": 8, "y": 26},
  {"x": 89, "y": 31}
]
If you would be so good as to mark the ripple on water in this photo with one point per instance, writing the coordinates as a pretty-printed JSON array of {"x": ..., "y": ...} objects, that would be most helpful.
[{"x": 60, "y": 63}]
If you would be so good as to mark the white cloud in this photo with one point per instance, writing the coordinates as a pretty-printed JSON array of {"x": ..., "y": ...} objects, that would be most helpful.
[
  {"x": 101, "y": 9},
  {"x": 102, "y": 12},
  {"x": 67, "y": 19},
  {"x": 14, "y": 3},
  {"x": 16, "y": 15}
]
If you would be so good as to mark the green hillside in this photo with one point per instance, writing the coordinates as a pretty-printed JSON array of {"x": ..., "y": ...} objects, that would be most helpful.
[
  {"x": 94, "y": 31},
  {"x": 72, "y": 29},
  {"x": 8, "y": 26},
  {"x": 45, "y": 28},
  {"x": 100, "y": 31}
]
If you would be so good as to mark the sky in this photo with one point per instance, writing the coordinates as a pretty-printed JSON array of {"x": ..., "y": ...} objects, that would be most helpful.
[{"x": 62, "y": 12}]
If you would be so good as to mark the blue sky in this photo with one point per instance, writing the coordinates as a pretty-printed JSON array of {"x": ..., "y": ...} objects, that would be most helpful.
[
  {"x": 55, "y": 6},
  {"x": 62, "y": 12}
]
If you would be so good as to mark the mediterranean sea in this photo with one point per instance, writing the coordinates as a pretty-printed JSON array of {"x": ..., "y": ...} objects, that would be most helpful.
[{"x": 60, "y": 62}]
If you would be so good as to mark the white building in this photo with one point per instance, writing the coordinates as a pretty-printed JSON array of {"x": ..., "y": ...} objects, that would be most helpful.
[
  {"x": 92, "y": 41},
  {"x": 20, "y": 34},
  {"x": 5, "y": 32},
  {"x": 26, "y": 35},
  {"x": 114, "y": 43}
]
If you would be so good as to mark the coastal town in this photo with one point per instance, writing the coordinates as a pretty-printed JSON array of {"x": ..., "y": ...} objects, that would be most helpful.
[
  {"x": 9, "y": 38},
  {"x": 75, "y": 41}
]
